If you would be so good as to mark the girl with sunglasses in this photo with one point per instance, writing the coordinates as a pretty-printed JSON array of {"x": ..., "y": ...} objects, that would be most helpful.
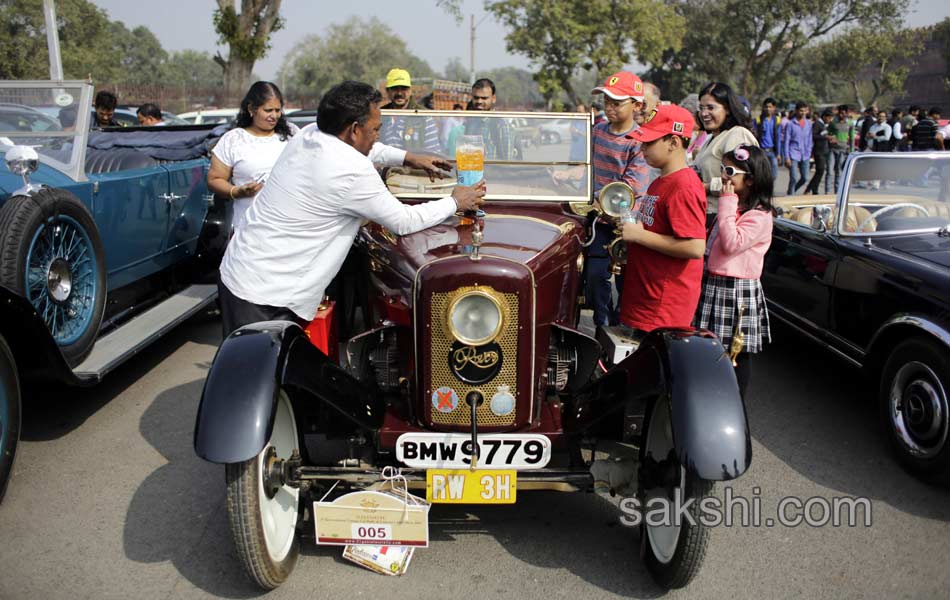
[{"x": 732, "y": 302}]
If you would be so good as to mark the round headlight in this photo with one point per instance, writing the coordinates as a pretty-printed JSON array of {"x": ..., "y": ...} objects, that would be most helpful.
[
  {"x": 22, "y": 160},
  {"x": 475, "y": 318},
  {"x": 615, "y": 198}
]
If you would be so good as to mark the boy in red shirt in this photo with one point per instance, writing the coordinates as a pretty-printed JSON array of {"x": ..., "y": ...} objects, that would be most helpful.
[{"x": 664, "y": 271}]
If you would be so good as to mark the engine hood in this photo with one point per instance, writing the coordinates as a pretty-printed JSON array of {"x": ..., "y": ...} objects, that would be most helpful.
[{"x": 521, "y": 235}]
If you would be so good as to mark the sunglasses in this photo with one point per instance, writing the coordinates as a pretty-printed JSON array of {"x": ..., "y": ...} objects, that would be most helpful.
[{"x": 731, "y": 171}]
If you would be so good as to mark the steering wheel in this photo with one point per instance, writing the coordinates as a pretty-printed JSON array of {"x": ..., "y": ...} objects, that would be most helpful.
[{"x": 889, "y": 208}]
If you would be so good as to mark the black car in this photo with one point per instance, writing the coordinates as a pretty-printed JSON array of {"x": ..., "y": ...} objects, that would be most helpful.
[{"x": 874, "y": 288}]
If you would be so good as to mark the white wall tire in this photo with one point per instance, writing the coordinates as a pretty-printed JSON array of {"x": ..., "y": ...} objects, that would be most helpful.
[
  {"x": 264, "y": 522},
  {"x": 673, "y": 554}
]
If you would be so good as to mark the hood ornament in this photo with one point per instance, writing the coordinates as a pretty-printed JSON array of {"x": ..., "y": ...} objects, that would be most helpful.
[{"x": 477, "y": 237}]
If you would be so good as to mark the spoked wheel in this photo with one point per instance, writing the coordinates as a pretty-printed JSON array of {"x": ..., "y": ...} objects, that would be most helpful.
[
  {"x": 9, "y": 414},
  {"x": 263, "y": 514},
  {"x": 673, "y": 552},
  {"x": 915, "y": 411},
  {"x": 52, "y": 255}
]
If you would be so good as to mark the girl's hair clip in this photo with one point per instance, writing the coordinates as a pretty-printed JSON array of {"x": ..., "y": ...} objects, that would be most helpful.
[{"x": 741, "y": 153}]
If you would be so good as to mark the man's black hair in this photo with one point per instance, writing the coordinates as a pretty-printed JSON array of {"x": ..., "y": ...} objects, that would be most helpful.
[
  {"x": 346, "y": 103},
  {"x": 150, "y": 110},
  {"x": 105, "y": 100},
  {"x": 801, "y": 105},
  {"x": 827, "y": 113},
  {"x": 723, "y": 94},
  {"x": 258, "y": 95},
  {"x": 483, "y": 83},
  {"x": 597, "y": 105},
  {"x": 770, "y": 100},
  {"x": 912, "y": 108},
  {"x": 843, "y": 107},
  {"x": 934, "y": 110}
]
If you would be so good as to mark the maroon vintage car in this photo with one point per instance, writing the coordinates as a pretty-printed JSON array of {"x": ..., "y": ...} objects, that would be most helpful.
[{"x": 469, "y": 360}]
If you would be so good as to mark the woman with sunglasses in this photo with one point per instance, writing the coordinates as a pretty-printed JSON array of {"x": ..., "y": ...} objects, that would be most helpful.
[
  {"x": 732, "y": 303},
  {"x": 728, "y": 123}
]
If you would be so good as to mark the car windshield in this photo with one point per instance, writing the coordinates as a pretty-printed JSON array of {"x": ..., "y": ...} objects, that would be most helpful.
[
  {"x": 52, "y": 118},
  {"x": 899, "y": 192},
  {"x": 520, "y": 162}
]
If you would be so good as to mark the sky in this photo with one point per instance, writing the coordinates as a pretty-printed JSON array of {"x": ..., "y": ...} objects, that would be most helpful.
[{"x": 430, "y": 32}]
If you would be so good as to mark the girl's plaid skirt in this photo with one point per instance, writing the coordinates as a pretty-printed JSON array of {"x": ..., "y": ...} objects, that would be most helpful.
[{"x": 719, "y": 305}]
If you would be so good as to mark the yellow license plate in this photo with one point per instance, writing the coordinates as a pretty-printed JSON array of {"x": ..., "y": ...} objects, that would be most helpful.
[{"x": 464, "y": 486}]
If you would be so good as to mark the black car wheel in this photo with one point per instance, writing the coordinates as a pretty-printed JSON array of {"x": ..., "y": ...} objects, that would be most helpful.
[
  {"x": 263, "y": 516},
  {"x": 914, "y": 407},
  {"x": 51, "y": 254},
  {"x": 9, "y": 414},
  {"x": 672, "y": 552}
]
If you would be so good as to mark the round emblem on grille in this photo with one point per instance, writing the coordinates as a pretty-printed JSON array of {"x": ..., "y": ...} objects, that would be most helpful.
[
  {"x": 502, "y": 403},
  {"x": 444, "y": 399},
  {"x": 475, "y": 364}
]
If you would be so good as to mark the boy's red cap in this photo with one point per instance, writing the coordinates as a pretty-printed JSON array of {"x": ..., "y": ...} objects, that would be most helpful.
[
  {"x": 622, "y": 85},
  {"x": 665, "y": 119}
]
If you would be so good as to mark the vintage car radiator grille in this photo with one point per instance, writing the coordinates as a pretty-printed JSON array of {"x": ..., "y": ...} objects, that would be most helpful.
[{"x": 441, "y": 347}]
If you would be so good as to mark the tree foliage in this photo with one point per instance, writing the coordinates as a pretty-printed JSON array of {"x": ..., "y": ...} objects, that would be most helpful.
[
  {"x": 867, "y": 55},
  {"x": 752, "y": 44},
  {"x": 359, "y": 49},
  {"x": 561, "y": 37},
  {"x": 190, "y": 68},
  {"x": 247, "y": 35}
]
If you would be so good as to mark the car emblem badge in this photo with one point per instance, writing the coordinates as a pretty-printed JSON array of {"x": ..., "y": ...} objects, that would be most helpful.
[
  {"x": 475, "y": 364},
  {"x": 502, "y": 403},
  {"x": 444, "y": 399}
]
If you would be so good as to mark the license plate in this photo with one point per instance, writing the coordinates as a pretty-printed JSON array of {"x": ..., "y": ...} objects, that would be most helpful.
[
  {"x": 454, "y": 451},
  {"x": 464, "y": 486}
]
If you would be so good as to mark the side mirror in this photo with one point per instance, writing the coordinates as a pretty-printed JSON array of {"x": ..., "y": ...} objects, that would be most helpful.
[{"x": 821, "y": 217}]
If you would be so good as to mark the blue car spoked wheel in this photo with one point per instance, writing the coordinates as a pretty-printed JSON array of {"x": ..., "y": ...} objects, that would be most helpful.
[
  {"x": 61, "y": 278},
  {"x": 9, "y": 414},
  {"x": 52, "y": 255}
]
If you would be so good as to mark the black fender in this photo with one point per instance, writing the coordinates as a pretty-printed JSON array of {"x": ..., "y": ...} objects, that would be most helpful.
[
  {"x": 31, "y": 342},
  {"x": 239, "y": 401},
  {"x": 710, "y": 428}
]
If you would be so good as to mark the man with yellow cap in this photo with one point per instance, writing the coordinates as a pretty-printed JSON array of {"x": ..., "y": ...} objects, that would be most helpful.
[{"x": 409, "y": 133}]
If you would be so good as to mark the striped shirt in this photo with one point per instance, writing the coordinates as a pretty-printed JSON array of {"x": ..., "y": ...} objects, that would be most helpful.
[{"x": 618, "y": 157}]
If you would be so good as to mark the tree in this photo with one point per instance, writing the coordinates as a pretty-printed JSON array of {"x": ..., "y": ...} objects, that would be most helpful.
[
  {"x": 941, "y": 35},
  {"x": 190, "y": 68},
  {"x": 247, "y": 36},
  {"x": 85, "y": 37},
  {"x": 862, "y": 55},
  {"x": 140, "y": 55},
  {"x": 752, "y": 44},
  {"x": 455, "y": 70},
  {"x": 364, "y": 50},
  {"x": 562, "y": 36},
  {"x": 516, "y": 88}
]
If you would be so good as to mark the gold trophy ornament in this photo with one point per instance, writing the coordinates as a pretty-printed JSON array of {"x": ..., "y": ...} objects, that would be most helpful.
[{"x": 738, "y": 340}]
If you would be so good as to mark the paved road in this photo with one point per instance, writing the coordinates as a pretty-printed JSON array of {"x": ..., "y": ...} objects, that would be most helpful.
[{"x": 109, "y": 501}]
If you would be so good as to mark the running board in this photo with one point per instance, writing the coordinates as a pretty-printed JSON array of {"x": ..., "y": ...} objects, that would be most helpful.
[{"x": 118, "y": 346}]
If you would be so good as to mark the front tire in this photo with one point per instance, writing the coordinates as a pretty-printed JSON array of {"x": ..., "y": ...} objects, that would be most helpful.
[
  {"x": 264, "y": 521},
  {"x": 51, "y": 255},
  {"x": 9, "y": 414},
  {"x": 672, "y": 553},
  {"x": 914, "y": 407}
]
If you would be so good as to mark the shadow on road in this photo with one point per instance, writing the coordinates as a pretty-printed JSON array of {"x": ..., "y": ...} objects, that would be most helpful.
[{"x": 825, "y": 426}]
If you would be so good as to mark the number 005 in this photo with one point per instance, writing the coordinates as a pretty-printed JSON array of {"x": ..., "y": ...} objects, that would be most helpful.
[{"x": 366, "y": 531}]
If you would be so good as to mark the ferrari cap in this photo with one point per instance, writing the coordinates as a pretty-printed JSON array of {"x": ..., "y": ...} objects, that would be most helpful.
[
  {"x": 666, "y": 119},
  {"x": 622, "y": 85},
  {"x": 397, "y": 78}
]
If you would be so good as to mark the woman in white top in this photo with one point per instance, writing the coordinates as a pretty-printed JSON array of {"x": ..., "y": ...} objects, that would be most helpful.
[
  {"x": 243, "y": 157},
  {"x": 728, "y": 124}
]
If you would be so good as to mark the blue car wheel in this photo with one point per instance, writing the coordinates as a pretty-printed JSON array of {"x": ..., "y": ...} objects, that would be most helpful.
[
  {"x": 9, "y": 414},
  {"x": 52, "y": 255}
]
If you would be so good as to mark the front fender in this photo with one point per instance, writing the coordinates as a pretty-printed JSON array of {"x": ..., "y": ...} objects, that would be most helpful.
[
  {"x": 239, "y": 400},
  {"x": 710, "y": 430}
]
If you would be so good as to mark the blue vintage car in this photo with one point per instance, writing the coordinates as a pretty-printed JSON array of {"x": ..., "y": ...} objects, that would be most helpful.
[{"x": 108, "y": 239}]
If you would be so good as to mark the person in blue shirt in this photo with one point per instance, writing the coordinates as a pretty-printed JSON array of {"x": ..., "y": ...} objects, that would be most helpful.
[
  {"x": 768, "y": 133},
  {"x": 796, "y": 147}
]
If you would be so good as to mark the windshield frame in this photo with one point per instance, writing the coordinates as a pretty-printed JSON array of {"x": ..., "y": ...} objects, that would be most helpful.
[
  {"x": 585, "y": 191},
  {"x": 75, "y": 168}
]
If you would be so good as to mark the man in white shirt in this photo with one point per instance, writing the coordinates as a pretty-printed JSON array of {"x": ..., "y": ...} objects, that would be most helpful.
[{"x": 300, "y": 228}]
